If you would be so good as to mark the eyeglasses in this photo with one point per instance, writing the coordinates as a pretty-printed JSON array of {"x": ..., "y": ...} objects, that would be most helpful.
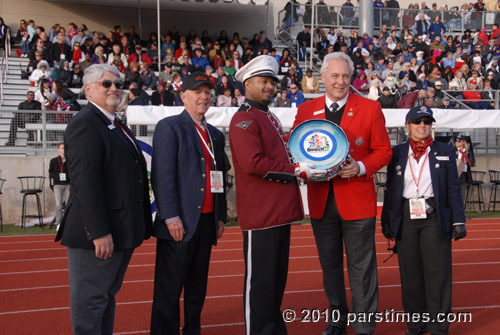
[
  {"x": 419, "y": 121},
  {"x": 107, "y": 83},
  {"x": 293, "y": 88}
]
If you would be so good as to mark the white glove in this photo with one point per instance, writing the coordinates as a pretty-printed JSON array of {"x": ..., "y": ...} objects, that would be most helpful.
[{"x": 307, "y": 171}]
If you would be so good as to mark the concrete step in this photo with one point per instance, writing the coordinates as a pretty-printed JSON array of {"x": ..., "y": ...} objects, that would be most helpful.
[
  {"x": 17, "y": 86},
  {"x": 18, "y": 81},
  {"x": 15, "y": 91}
]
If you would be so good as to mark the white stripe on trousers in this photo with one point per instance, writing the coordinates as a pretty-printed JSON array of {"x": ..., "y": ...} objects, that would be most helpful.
[{"x": 248, "y": 280}]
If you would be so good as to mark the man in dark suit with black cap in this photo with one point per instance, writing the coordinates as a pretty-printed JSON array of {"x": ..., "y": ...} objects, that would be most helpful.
[
  {"x": 188, "y": 173},
  {"x": 108, "y": 213}
]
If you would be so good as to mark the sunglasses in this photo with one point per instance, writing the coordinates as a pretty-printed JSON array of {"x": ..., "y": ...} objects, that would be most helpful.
[
  {"x": 107, "y": 83},
  {"x": 418, "y": 121},
  {"x": 293, "y": 88}
]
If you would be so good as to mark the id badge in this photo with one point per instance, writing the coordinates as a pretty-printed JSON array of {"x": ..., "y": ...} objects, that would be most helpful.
[
  {"x": 417, "y": 209},
  {"x": 63, "y": 56},
  {"x": 62, "y": 176},
  {"x": 216, "y": 182}
]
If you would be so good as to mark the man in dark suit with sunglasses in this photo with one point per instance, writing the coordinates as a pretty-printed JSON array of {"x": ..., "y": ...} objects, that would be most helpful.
[{"x": 108, "y": 213}]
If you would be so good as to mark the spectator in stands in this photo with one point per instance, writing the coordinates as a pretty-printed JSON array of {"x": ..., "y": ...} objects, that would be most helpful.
[
  {"x": 459, "y": 81},
  {"x": 39, "y": 46},
  {"x": 347, "y": 12},
  {"x": 432, "y": 100},
  {"x": 248, "y": 55},
  {"x": 290, "y": 78},
  {"x": 132, "y": 36},
  {"x": 4, "y": 30},
  {"x": 361, "y": 83},
  {"x": 199, "y": 60},
  {"x": 166, "y": 74},
  {"x": 388, "y": 100},
  {"x": 65, "y": 94},
  {"x": 148, "y": 78},
  {"x": 163, "y": 96},
  {"x": 21, "y": 119},
  {"x": 99, "y": 57},
  {"x": 282, "y": 100},
  {"x": 422, "y": 82},
  {"x": 475, "y": 76},
  {"x": 42, "y": 71},
  {"x": 60, "y": 49},
  {"x": 23, "y": 37},
  {"x": 490, "y": 76},
  {"x": 310, "y": 83},
  {"x": 177, "y": 82},
  {"x": 62, "y": 71},
  {"x": 375, "y": 90},
  {"x": 295, "y": 96},
  {"x": 229, "y": 69},
  {"x": 224, "y": 84},
  {"x": 78, "y": 54},
  {"x": 436, "y": 28},
  {"x": 224, "y": 100},
  {"x": 139, "y": 56},
  {"x": 421, "y": 26},
  {"x": 117, "y": 53},
  {"x": 75, "y": 78},
  {"x": 473, "y": 97},
  {"x": 79, "y": 37},
  {"x": 304, "y": 40},
  {"x": 438, "y": 85},
  {"x": 134, "y": 97},
  {"x": 390, "y": 81},
  {"x": 240, "y": 98}
]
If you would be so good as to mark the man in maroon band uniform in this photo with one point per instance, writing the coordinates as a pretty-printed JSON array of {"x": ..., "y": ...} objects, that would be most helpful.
[{"x": 267, "y": 196}]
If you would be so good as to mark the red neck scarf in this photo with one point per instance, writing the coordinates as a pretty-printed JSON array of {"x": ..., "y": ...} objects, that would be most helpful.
[{"x": 419, "y": 147}]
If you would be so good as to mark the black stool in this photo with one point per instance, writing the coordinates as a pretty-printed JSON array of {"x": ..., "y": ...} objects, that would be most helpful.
[
  {"x": 1, "y": 217},
  {"x": 494, "y": 181},
  {"x": 381, "y": 181},
  {"x": 477, "y": 180},
  {"x": 31, "y": 185}
]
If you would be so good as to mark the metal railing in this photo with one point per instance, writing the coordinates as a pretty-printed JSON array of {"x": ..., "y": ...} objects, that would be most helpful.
[
  {"x": 4, "y": 63},
  {"x": 32, "y": 131},
  {"x": 331, "y": 16}
]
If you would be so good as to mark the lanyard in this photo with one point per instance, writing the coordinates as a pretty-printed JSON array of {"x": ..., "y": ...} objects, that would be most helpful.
[
  {"x": 126, "y": 133},
  {"x": 61, "y": 166},
  {"x": 464, "y": 157},
  {"x": 209, "y": 148},
  {"x": 417, "y": 181}
]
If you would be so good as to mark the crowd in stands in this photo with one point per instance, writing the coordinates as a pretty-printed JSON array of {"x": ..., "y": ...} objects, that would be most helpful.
[
  {"x": 415, "y": 64},
  {"x": 59, "y": 56},
  {"x": 422, "y": 63}
]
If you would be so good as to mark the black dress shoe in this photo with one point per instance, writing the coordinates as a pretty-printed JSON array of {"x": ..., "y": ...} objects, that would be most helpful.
[
  {"x": 334, "y": 331},
  {"x": 416, "y": 331}
]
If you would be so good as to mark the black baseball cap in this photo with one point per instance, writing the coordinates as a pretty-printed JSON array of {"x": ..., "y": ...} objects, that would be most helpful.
[
  {"x": 418, "y": 112},
  {"x": 194, "y": 80}
]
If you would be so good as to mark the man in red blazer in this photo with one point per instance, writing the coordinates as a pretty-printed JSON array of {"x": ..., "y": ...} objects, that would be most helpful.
[{"x": 344, "y": 209}]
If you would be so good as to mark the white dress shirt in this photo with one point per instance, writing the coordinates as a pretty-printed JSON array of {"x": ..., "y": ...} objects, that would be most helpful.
[{"x": 422, "y": 169}]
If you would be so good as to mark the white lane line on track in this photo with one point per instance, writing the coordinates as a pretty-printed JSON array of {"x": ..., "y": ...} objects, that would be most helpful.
[
  {"x": 235, "y": 249},
  {"x": 225, "y": 261},
  {"x": 209, "y": 277},
  {"x": 230, "y": 296},
  {"x": 307, "y": 230}
]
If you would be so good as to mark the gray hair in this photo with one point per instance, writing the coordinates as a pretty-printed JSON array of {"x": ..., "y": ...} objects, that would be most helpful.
[
  {"x": 339, "y": 56},
  {"x": 94, "y": 72}
]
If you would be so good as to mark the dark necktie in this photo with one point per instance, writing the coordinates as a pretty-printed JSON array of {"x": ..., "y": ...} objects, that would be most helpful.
[
  {"x": 334, "y": 107},
  {"x": 124, "y": 134}
]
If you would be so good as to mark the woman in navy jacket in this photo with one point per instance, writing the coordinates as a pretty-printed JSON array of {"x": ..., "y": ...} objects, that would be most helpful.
[{"x": 423, "y": 211}]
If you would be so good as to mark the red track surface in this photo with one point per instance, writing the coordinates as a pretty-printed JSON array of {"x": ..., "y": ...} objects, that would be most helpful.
[{"x": 34, "y": 285}]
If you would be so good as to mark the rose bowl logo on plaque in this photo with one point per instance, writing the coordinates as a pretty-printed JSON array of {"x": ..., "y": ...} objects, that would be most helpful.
[
  {"x": 320, "y": 142},
  {"x": 318, "y": 145}
]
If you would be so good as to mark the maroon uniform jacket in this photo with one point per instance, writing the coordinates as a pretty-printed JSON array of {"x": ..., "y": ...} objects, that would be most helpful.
[{"x": 267, "y": 193}]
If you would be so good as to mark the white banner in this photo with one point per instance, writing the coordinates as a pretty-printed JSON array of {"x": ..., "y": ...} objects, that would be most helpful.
[{"x": 221, "y": 116}]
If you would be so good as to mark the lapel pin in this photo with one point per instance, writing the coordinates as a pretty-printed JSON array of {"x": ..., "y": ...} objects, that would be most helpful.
[
  {"x": 437, "y": 165},
  {"x": 399, "y": 173},
  {"x": 398, "y": 167},
  {"x": 435, "y": 153},
  {"x": 349, "y": 114}
]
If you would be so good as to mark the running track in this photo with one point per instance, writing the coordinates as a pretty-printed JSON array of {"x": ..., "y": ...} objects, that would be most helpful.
[{"x": 34, "y": 284}]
